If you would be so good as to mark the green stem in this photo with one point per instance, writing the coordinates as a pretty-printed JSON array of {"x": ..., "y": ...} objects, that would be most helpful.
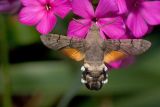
[
  {"x": 72, "y": 92},
  {"x": 4, "y": 52}
]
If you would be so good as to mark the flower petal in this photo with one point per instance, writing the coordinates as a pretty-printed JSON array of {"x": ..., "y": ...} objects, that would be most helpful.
[
  {"x": 151, "y": 12},
  {"x": 106, "y": 8},
  {"x": 137, "y": 25},
  {"x": 122, "y": 6},
  {"x": 122, "y": 63},
  {"x": 79, "y": 28},
  {"x": 114, "y": 28},
  {"x": 30, "y": 2},
  {"x": 116, "y": 64},
  {"x": 46, "y": 24},
  {"x": 43, "y": 1},
  {"x": 62, "y": 8},
  {"x": 102, "y": 35},
  {"x": 31, "y": 15},
  {"x": 83, "y": 8}
]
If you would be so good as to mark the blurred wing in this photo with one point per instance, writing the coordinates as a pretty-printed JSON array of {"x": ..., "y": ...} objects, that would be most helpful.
[
  {"x": 119, "y": 49},
  {"x": 114, "y": 56},
  {"x": 73, "y": 53},
  {"x": 70, "y": 47}
]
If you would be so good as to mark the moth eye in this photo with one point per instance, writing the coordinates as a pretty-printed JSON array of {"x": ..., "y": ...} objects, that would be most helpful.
[{"x": 83, "y": 68}]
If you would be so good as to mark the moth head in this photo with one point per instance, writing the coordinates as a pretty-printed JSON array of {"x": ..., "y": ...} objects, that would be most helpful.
[
  {"x": 94, "y": 76},
  {"x": 94, "y": 27}
]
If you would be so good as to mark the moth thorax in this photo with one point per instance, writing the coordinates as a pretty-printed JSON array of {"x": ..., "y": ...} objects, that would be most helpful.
[{"x": 94, "y": 76}]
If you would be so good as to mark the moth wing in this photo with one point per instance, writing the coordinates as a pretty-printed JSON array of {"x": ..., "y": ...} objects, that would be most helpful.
[
  {"x": 119, "y": 49},
  {"x": 73, "y": 53},
  {"x": 70, "y": 47},
  {"x": 114, "y": 56}
]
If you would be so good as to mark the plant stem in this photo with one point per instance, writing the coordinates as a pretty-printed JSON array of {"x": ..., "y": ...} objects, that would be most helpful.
[
  {"x": 4, "y": 54},
  {"x": 71, "y": 93}
]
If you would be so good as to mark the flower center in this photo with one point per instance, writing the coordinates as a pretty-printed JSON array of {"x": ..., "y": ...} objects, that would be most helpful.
[
  {"x": 48, "y": 7},
  {"x": 136, "y": 4},
  {"x": 94, "y": 19}
]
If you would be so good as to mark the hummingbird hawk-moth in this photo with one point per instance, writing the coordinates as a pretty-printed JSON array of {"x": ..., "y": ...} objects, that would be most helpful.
[{"x": 95, "y": 52}]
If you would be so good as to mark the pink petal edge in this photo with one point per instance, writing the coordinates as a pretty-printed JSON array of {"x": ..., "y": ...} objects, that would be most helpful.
[
  {"x": 30, "y": 2},
  {"x": 79, "y": 28},
  {"x": 114, "y": 28},
  {"x": 83, "y": 8},
  {"x": 106, "y": 8},
  {"x": 62, "y": 8},
  {"x": 46, "y": 24},
  {"x": 137, "y": 25},
  {"x": 122, "y": 6},
  {"x": 151, "y": 12},
  {"x": 122, "y": 63},
  {"x": 31, "y": 15}
]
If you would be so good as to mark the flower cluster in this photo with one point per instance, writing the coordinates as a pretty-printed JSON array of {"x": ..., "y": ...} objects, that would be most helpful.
[
  {"x": 127, "y": 18},
  {"x": 103, "y": 15},
  {"x": 117, "y": 19},
  {"x": 140, "y": 15},
  {"x": 122, "y": 17}
]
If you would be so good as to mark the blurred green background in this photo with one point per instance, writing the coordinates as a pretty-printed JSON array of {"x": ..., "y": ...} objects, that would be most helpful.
[{"x": 39, "y": 77}]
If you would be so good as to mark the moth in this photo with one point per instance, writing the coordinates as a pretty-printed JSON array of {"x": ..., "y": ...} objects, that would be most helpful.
[{"x": 95, "y": 52}]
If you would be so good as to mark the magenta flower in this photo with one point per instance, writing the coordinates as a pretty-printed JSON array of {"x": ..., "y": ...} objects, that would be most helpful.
[
  {"x": 10, "y": 6},
  {"x": 122, "y": 6},
  {"x": 42, "y": 13},
  {"x": 142, "y": 15},
  {"x": 122, "y": 63},
  {"x": 104, "y": 17}
]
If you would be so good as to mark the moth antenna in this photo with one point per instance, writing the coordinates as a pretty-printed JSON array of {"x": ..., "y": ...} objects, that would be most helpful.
[
  {"x": 108, "y": 23},
  {"x": 78, "y": 22}
]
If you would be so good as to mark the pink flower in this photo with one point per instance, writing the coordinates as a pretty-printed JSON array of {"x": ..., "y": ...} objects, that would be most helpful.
[
  {"x": 142, "y": 15},
  {"x": 104, "y": 16},
  {"x": 122, "y": 63},
  {"x": 42, "y": 13},
  {"x": 122, "y": 6}
]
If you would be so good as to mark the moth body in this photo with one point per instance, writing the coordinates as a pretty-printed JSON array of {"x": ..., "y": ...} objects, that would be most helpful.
[
  {"x": 96, "y": 53},
  {"x": 95, "y": 72}
]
